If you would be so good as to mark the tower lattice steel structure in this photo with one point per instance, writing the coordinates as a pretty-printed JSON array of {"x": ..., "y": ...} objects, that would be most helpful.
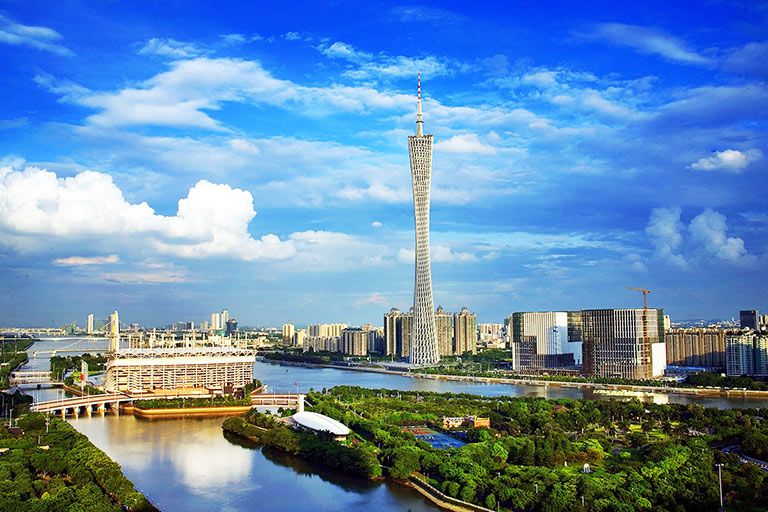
[{"x": 424, "y": 349}]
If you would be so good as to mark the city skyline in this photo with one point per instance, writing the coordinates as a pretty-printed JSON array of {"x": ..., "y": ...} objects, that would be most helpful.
[{"x": 612, "y": 145}]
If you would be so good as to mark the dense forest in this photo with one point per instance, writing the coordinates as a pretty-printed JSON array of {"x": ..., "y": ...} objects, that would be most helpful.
[
  {"x": 52, "y": 467},
  {"x": 642, "y": 456}
]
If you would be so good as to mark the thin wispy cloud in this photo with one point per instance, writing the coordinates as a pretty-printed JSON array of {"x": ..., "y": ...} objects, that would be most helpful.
[
  {"x": 73, "y": 261},
  {"x": 40, "y": 38},
  {"x": 647, "y": 40},
  {"x": 166, "y": 47}
]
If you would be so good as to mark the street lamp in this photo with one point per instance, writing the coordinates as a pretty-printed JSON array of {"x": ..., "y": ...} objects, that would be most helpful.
[{"x": 720, "y": 479}]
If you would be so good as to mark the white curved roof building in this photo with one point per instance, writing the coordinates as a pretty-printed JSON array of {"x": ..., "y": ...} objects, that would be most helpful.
[{"x": 320, "y": 422}]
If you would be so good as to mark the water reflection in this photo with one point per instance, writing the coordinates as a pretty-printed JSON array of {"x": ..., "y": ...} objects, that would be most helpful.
[{"x": 187, "y": 464}]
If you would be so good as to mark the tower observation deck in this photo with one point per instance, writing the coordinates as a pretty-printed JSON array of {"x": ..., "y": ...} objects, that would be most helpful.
[{"x": 424, "y": 350}]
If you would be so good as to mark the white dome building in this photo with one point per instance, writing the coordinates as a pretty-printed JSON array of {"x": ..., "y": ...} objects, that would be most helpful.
[{"x": 321, "y": 423}]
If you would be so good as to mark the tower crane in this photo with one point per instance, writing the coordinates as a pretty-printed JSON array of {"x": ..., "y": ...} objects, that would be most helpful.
[{"x": 645, "y": 310}]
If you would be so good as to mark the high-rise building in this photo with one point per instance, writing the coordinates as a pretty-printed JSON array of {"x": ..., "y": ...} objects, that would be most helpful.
[
  {"x": 215, "y": 321},
  {"x": 298, "y": 337},
  {"x": 397, "y": 332},
  {"x": 619, "y": 342},
  {"x": 444, "y": 326},
  {"x": 696, "y": 347},
  {"x": 355, "y": 341},
  {"x": 465, "y": 332},
  {"x": 114, "y": 331},
  {"x": 746, "y": 354},
  {"x": 542, "y": 340},
  {"x": 89, "y": 325},
  {"x": 423, "y": 346},
  {"x": 224, "y": 318},
  {"x": 749, "y": 318},
  {"x": 288, "y": 332}
]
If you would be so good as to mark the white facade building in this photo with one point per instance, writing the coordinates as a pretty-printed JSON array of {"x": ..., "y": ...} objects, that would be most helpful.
[{"x": 89, "y": 325}]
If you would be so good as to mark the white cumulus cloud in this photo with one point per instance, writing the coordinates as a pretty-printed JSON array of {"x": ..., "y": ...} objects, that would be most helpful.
[
  {"x": 730, "y": 160},
  {"x": 37, "y": 206},
  {"x": 465, "y": 143},
  {"x": 710, "y": 229},
  {"x": 664, "y": 229}
]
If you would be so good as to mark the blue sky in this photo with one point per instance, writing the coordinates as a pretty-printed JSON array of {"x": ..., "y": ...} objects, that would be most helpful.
[{"x": 170, "y": 159}]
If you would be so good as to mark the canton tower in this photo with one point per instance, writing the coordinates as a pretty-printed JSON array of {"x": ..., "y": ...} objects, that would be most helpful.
[{"x": 423, "y": 333}]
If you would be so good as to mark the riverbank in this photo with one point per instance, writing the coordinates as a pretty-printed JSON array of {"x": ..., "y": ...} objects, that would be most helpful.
[
  {"x": 245, "y": 430},
  {"x": 702, "y": 392},
  {"x": 747, "y": 393},
  {"x": 185, "y": 411},
  {"x": 54, "y": 467}
]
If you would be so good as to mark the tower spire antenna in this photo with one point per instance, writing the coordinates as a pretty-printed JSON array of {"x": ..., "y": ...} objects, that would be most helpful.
[{"x": 419, "y": 120}]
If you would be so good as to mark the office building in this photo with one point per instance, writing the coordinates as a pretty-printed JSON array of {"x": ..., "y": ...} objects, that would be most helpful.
[
  {"x": 423, "y": 346},
  {"x": 215, "y": 322},
  {"x": 619, "y": 342},
  {"x": 749, "y": 318},
  {"x": 540, "y": 340}
]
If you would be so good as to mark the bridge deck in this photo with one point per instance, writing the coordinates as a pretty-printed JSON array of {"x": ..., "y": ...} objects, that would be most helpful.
[{"x": 64, "y": 404}]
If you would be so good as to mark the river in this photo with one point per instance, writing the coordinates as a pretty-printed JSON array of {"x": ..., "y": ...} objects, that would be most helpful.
[{"x": 186, "y": 464}]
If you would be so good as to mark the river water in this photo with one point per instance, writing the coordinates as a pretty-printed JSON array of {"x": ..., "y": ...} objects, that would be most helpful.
[{"x": 186, "y": 464}]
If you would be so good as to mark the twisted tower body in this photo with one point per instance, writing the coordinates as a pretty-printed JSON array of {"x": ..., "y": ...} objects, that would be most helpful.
[{"x": 424, "y": 349}]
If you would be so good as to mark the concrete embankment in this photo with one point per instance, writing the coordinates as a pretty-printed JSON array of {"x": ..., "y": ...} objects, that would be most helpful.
[
  {"x": 749, "y": 393},
  {"x": 440, "y": 499},
  {"x": 186, "y": 411}
]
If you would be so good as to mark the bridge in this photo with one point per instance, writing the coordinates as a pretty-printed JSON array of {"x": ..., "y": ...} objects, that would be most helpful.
[
  {"x": 112, "y": 401},
  {"x": 21, "y": 377},
  {"x": 278, "y": 399},
  {"x": 77, "y": 346}
]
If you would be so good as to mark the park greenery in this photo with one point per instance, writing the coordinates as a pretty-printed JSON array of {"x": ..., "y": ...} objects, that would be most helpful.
[
  {"x": 178, "y": 403},
  {"x": 12, "y": 354},
  {"x": 61, "y": 365},
  {"x": 52, "y": 467},
  {"x": 642, "y": 456},
  {"x": 265, "y": 429}
]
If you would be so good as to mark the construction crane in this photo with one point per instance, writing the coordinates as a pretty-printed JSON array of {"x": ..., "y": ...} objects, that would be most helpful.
[{"x": 645, "y": 310}]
